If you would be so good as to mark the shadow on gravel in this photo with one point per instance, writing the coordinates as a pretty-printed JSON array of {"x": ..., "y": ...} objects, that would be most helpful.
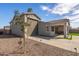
[{"x": 50, "y": 37}]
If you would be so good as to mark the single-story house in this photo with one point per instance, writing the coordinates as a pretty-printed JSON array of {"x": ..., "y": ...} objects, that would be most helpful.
[
  {"x": 6, "y": 30},
  {"x": 38, "y": 27},
  {"x": 53, "y": 28}
]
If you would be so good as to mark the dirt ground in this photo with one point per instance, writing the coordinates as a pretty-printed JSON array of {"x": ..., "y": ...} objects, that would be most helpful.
[
  {"x": 8, "y": 44},
  {"x": 9, "y": 47}
]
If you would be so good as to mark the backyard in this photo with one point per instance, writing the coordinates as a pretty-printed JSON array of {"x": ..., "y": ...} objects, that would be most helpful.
[
  {"x": 38, "y": 46},
  {"x": 74, "y": 34}
]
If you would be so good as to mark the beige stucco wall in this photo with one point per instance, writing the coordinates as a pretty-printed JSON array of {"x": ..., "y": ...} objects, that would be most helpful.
[
  {"x": 42, "y": 29},
  {"x": 30, "y": 30},
  {"x": 33, "y": 28},
  {"x": 16, "y": 28}
]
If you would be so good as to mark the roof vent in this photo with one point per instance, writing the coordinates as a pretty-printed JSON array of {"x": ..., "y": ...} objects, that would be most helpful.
[
  {"x": 29, "y": 10},
  {"x": 16, "y": 13}
]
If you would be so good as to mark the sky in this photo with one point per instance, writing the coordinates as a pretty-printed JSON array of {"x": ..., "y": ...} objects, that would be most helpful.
[{"x": 46, "y": 11}]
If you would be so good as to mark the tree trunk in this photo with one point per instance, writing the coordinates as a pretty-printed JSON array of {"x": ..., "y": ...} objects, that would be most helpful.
[
  {"x": 25, "y": 38},
  {"x": 24, "y": 44}
]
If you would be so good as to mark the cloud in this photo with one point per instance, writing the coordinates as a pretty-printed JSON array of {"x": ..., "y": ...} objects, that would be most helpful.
[
  {"x": 47, "y": 14},
  {"x": 69, "y": 10},
  {"x": 60, "y": 8},
  {"x": 74, "y": 25},
  {"x": 64, "y": 8},
  {"x": 74, "y": 20},
  {"x": 45, "y": 8},
  {"x": 76, "y": 12}
]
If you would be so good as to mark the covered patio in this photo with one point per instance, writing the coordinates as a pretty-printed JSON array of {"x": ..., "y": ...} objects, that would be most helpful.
[
  {"x": 54, "y": 28},
  {"x": 59, "y": 27}
]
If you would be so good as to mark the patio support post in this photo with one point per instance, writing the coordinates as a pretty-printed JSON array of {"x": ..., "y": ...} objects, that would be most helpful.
[
  {"x": 65, "y": 31},
  {"x": 54, "y": 30}
]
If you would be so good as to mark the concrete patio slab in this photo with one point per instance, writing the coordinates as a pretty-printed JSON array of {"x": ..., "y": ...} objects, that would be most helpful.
[{"x": 61, "y": 43}]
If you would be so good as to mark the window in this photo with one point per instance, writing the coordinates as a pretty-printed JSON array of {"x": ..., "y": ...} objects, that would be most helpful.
[
  {"x": 52, "y": 28},
  {"x": 47, "y": 28}
]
